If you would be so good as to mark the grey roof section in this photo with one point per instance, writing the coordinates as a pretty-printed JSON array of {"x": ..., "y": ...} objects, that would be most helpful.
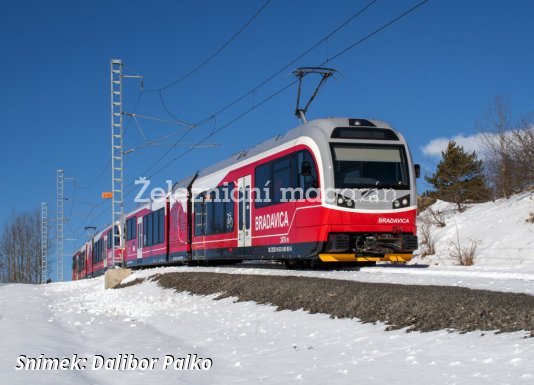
[
  {"x": 183, "y": 183},
  {"x": 318, "y": 130}
]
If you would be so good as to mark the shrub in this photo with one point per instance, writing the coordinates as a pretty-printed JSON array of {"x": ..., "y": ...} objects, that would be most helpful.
[
  {"x": 428, "y": 244},
  {"x": 463, "y": 255}
]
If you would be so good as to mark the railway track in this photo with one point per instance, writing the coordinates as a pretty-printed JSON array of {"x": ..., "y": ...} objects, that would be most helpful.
[{"x": 415, "y": 307}]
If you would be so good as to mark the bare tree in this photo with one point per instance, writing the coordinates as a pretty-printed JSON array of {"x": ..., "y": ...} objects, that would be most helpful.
[
  {"x": 20, "y": 248},
  {"x": 508, "y": 148},
  {"x": 523, "y": 140}
]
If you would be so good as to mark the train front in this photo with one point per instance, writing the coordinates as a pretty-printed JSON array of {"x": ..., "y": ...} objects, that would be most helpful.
[{"x": 368, "y": 192}]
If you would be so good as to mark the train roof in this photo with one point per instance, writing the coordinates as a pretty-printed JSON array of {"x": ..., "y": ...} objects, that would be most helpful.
[
  {"x": 315, "y": 129},
  {"x": 152, "y": 205}
]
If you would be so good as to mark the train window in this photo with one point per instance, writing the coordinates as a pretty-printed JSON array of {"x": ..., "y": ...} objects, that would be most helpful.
[
  {"x": 364, "y": 133},
  {"x": 149, "y": 227},
  {"x": 161, "y": 227},
  {"x": 139, "y": 240},
  {"x": 308, "y": 182},
  {"x": 81, "y": 262},
  {"x": 247, "y": 207},
  {"x": 117, "y": 237},
  {"x": 214, "y": 212},
  {"x": 130, "y": 228},
  {"x": 109, "y": 238},
  {"x": 240, "y": 211},
  {"x": 262, "y": 182},
  {"x": 281, "y": 179},
  {"x": 98, "y": 251},
  {"x": 357, "y": 166},
  {"x": 155, "y": 227},
  {"x": 145, "y": 225},
  {"x": 199, "y": 206},
  {"x": 145, "y": 230},
  {"x": 218, "y": 213},
  {"x": 207, "y": 219}
]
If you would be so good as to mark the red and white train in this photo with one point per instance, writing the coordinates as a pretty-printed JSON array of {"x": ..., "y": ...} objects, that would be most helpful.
[{"x": 331, "y": 190}]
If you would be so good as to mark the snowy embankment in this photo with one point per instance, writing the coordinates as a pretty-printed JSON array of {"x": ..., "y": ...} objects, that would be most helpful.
[
  {"x": 501, "y": 230},
  {"x": 248, "y": 343},
  {"x": 516, "y": 279}
]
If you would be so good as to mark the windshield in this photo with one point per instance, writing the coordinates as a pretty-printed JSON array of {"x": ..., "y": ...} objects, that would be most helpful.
[{"x": 357, "y": 166}]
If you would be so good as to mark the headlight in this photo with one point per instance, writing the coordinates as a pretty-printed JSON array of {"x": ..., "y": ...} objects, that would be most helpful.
[{"x": 401, "y": 202}]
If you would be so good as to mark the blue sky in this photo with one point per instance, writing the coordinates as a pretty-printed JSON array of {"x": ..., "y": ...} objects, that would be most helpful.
[{"x": 430, "y": 75}]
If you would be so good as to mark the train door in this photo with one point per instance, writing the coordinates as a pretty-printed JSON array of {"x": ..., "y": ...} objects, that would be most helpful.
[
  {"x": 244, "y": 233},
  {"x": 140, "y": 236},
  {"x": 86, "y": 260},
  {"x": 106, "y": 253}
]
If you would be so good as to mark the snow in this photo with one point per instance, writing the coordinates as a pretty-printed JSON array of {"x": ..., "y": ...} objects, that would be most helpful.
[
  {"x": 248, "y": 343},
  {"x": 251, "y": 343},
  {"x": 504, "y": 236}
]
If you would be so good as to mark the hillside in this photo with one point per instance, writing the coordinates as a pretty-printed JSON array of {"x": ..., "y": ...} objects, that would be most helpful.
[{"x": 501, "y": 231}]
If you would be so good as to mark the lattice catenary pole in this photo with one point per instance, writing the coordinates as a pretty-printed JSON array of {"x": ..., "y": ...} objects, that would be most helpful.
[
  {"x": 44, "y": 242},
  {"x": 117, "y": 166},
  {"x": 60, "y": 221}
]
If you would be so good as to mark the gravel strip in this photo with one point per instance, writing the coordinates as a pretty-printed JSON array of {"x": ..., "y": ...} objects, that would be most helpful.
[{"x": 416, "y": 307}]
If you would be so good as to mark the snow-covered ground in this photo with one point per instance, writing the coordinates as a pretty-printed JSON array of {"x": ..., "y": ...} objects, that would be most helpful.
[
  {"x": 248, "y": 343},
  {"x": 500, "y": 229}
]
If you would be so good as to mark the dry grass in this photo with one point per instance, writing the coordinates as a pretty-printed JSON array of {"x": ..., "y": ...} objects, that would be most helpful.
[
  {"x": 428, "y": 244},
  {"x": 463, "y": 255},
  {"x": 438, "y": 217}
]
